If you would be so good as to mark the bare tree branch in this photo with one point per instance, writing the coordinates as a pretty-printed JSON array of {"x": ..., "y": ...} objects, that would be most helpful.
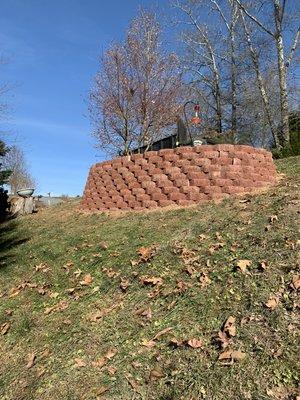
[{"x": 253, "y": 18}]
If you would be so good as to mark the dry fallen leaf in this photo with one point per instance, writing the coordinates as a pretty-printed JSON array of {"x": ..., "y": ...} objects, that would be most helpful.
[
  {"x": 151, "y": 280},
  {"x": 191, "y": 270},
  {"x": 133, "y": 383},
  {"x": 111, "y": 353},
  {"x": 263, "y": 265},
  {"x": 156, "y": 373},
  {"x": 124, "y": 284},
  {"x": 176, "y": 343},
  {"x": 234, "y": 355},
  {"x": 103, "y": 246},
  {"x": 223, "y": 339},
  {"x": 204, "y": 279},
  {"x": 4, "y": 328},
  {"x": 87, "y": 280},
  {"x": 161, "y": 333},
  {"x": 102, "y": 313},
  {"x": 238, "y": 355},
  {"x": 295, "y": 284},
  {"x": 30, "y": 360},
  {"x": 111, "y": 370},
  {"x": 62, "y": 305},
  {"x": 273, "y": 218},
  {"x": 195, "y": 343},
  {"x": 229, "y": 326},
  {"x": 146, "y": 253},
  {"x": 272, "y": 303},
  {"x": 102, "y": 390},
  {"x": 100, "y": 362},
  {"x": 148, "y": 343},
  {"x": 79, "y": 363},
  {"x": 144, "y": 312},
  {"x": 225, "y": 355},
  {"x": 242, "y": 265}
]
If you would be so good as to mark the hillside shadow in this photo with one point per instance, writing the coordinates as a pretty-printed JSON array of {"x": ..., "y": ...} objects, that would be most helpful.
[{"x": 10, "y": 239}]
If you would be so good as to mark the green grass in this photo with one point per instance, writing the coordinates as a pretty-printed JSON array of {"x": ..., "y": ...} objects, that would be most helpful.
[{"x": 56, "y": 236}]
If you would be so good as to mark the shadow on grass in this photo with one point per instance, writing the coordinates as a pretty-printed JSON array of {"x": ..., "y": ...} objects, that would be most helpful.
[{"x": 10, "y": 238}]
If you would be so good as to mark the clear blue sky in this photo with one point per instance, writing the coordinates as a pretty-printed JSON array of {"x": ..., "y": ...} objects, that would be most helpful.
[{"x": 53, "y": 48}]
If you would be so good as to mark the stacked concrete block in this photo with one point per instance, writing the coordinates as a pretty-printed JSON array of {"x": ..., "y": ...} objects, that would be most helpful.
[{"x": 182, "y": 176}]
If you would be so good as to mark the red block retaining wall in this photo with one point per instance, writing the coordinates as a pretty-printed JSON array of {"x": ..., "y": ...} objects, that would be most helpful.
[{"x": 182, "y": 176}]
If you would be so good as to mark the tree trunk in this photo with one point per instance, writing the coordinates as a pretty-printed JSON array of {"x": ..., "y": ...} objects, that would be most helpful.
[
  {"x": 285, "y": 134},
  {"x": 260, "y": 83},
  {"x": 233, "y": 85}
]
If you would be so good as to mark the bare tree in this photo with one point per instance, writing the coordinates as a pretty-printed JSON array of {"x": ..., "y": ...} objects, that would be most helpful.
[
  {"x": 260, "y": 81},
  {"x": 277, "y": 33},
  {"x": 202, "y": 61},
  {"x": 230, "y": 23},
  {"x": 20, "y": 177},
  {"x": 137, "y": 92}
]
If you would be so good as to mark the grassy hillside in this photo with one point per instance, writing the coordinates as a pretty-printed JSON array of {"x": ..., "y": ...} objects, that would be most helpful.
[{"x": 189, "y": 304}]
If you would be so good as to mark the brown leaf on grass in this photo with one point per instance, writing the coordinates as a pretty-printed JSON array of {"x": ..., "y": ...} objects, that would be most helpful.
[
  {"x": 144, "y": 312},
  {"x": 234, "y": 355},
  {"x": 223, "y": 339},
  {"x": 40, "y": 372},
  {"x": 191, "y": 270},
  {"x": 146, "y": 253},
  {"x": 9, "y": 312},
  {"x": 30, "y": 360},
  {"x": 110, "y": 273},
  {"x": 295, "y": 284},
  {"x": 102, "y": 390},
  {"x": 238, "y": 355},
  {"x": 79, "y": 363},
  {"x": 42, "y": 268},
  {"x": 111, "y": 370},
  {"x": 61, "y": 306},
  {"x": 103, "y": 246},
  {"x": 124, "y": 284},
  {"x": 111, "y": 353},
  {"x": 243, "y": 265},
  {"x": 195, "y": 343},
  {"x": 273, "y": 218},
  {"x": 151, "y": 280},
  {"x": 176, "y": 343},
  {"x": 156, "y": 373},
  {"x": 272, "y": 303},
  {"x": 225, "y": 355},
  {"x": 161, "y": 333},
  {"x": 133, "y": 383},
  {"x": 154, "y": 293},
  {"x": 102, "y": 313},
  {"x": 229, "y": 326},
  {"x": 202, "y": 236},
  {"x": 87, "y": 280},
  {"x": 100, "y": 362},
  {"x": 53, "y": 295},
  {"x": 215, "y": 247},
  {"x": 68, "y": 266},
  {"x": 14, "y": 292},
  {"x": 45, "y": 353},
  {"x": 148, "y": 343},
  {"x": 263, "y": 265},
  {"x": 204, "y": 279},
  {"x": 4, "y": 328},
  {"x": 77, "y": 273},
  {"x": 182, "y": 287}
]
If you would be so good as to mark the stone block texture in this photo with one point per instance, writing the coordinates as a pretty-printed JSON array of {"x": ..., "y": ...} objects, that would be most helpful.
[{"x": 182, "y": 176}]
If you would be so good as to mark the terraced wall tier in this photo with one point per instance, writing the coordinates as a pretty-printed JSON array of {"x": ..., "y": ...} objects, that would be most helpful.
[{"x": 181, "y": 176}]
